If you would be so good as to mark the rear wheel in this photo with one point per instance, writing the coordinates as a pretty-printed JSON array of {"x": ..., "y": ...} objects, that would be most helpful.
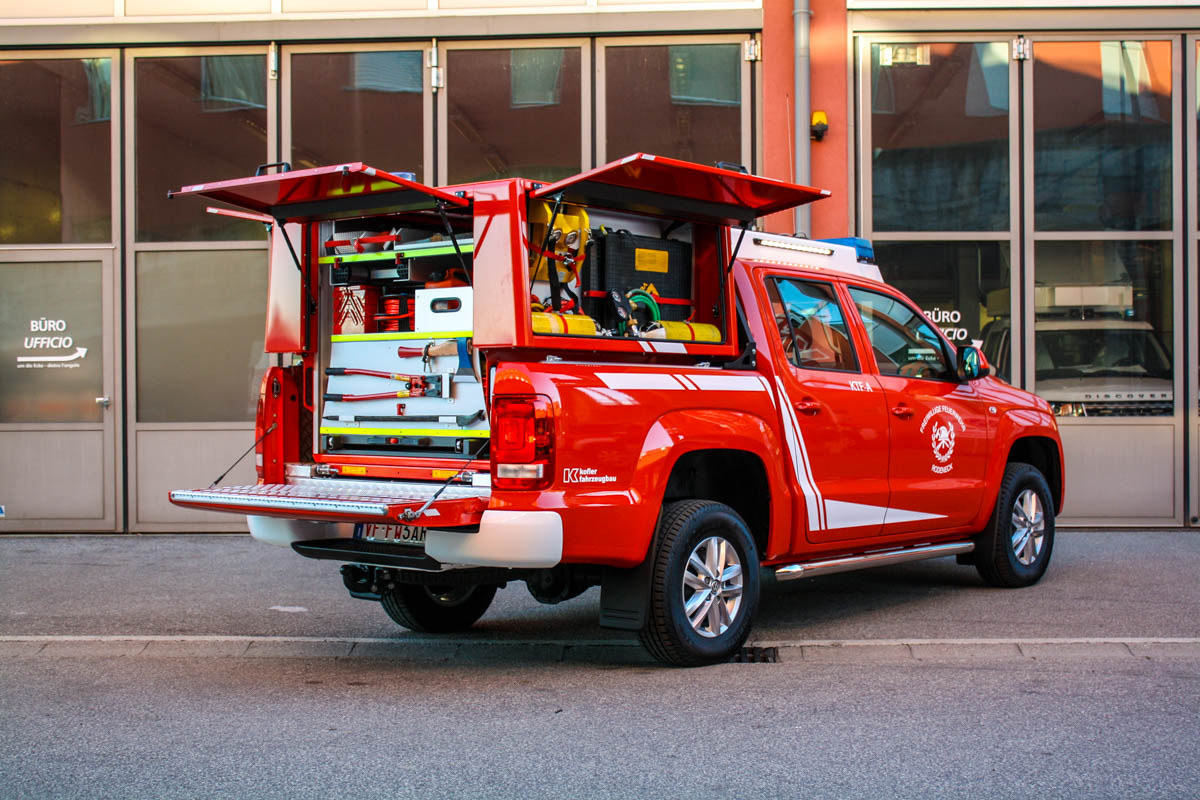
[
  {"x": 704, "y": 589},
  {"x": 437, "y": 609},
  {"x": 1014, "y": 549}
]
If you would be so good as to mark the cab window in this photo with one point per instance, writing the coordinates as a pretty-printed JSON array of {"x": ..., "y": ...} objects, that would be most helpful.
[
  {"x": 811, "y": 325},
  {"x": 903, "y": 342}
]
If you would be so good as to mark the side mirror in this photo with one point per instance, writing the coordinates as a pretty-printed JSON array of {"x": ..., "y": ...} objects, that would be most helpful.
[{"x": 971, "y": 363}]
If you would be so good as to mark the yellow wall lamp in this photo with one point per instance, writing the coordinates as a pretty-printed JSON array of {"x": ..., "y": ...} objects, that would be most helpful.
[{"x": 820, "y": 124}]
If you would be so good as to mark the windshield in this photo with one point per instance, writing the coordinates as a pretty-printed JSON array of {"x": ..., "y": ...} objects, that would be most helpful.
[{"x": 1100, "y": 352}]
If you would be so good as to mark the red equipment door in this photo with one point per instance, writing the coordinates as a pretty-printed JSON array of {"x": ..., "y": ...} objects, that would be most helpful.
[
  {"x": 833, "y": 415},
  {"x": 939, "y": 427}
]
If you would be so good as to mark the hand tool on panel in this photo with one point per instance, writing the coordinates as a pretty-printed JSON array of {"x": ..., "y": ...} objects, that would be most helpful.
[
  {"x": 416, "y": 385},
  {"x": 450, "y": 347}
]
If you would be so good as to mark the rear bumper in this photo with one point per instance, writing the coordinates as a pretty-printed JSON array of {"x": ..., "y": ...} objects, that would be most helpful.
[
  {"x": 519, "y": 539},
  {"x": 513, "y": 539}
]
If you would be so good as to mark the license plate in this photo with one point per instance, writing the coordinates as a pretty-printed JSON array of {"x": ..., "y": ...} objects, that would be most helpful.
[{"x": 395, "y": 534}]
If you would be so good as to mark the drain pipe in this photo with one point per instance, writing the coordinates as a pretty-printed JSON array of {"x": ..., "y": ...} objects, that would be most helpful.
[{"x": 801, "y": 15}]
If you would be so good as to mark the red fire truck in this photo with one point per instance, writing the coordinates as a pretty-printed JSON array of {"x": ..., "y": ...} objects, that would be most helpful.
[{"x": 614, "y": 380}]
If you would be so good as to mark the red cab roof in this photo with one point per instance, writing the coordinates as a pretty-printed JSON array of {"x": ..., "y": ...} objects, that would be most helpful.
[
  {"x": 680, "y": 189},
  {"x": 344, "y": 190}
]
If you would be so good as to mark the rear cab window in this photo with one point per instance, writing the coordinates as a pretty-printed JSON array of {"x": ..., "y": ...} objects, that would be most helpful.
[{"x": 811, "y": 325}]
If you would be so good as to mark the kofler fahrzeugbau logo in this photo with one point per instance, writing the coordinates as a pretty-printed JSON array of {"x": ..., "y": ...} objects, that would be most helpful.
[{"x": 940, "y": 422}]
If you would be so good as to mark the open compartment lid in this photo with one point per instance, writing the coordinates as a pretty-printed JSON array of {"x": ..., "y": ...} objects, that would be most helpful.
[
  {"x": 666, "y": 187},
  {"x": 344, "y": 190}
]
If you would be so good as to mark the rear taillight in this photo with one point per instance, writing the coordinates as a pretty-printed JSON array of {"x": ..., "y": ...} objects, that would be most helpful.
[
  {"x": 259, "y": 427},
  {"x": 522, "y": 442}
]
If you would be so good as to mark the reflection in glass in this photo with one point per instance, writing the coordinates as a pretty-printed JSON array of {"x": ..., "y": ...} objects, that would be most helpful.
[
  {"x": 197, "y": 120},
  {"x": 1103, "y": 327},
  {"x": 811, "y": 325},
  {"x": 200, "y": 325},
  {"x": 939, "y": 137},
  {"x": 681, "y": 101},
  {"x": 513, "y": 113},
  {"x": 358, "y": 107},
  {"x": 51, "y": 342},
  {"x": 904, "y": 343},
  {"x": 962, "y": 286},
  {"x": 1102, "y": 135},
  {"x": 56, "y": 151}
]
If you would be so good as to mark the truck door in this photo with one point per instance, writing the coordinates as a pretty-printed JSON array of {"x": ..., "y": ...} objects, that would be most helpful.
[
  {"x": 939, "y": 428},
  {"x": 834, "y": 415}
]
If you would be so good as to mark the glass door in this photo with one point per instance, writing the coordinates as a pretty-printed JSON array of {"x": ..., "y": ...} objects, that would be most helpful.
[
  {"x": 1103, "y": 183},
  {"x": 197, "y": 306},
  {"x": 1025, "y": 193},
  {"x": 59, "y": 403}
]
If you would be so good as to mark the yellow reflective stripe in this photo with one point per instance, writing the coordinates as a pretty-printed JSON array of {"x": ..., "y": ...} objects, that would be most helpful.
[
  {"x": 446, "y": 432},
  {"x": 384, "y": 337}
]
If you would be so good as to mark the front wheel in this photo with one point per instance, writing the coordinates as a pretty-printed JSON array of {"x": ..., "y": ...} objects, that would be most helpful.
[
  {"x": 1014, "y": 549},
  {"x": 436, "y": 609},
  {"x": 705, "y": 585}
]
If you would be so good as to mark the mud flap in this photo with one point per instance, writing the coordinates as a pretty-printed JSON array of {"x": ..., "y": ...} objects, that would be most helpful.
[{"x": 624, "y": 595}]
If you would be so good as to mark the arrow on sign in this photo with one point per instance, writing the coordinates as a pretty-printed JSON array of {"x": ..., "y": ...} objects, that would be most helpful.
[{"x": 80, "y": 352}]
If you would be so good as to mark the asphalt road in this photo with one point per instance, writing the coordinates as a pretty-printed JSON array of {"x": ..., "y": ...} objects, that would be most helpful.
[{"x": 214, "y": 666}]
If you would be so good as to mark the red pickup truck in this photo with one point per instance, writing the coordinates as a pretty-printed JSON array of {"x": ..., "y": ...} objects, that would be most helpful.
[{"x": 614, "y": 380}]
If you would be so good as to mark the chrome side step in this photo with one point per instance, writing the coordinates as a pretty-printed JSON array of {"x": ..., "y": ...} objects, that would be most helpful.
[{"x": 809, "y": 569}]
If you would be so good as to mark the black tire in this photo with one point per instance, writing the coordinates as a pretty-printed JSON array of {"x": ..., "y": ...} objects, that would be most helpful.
[
  {"x": 436, "y": 609},
  {"x": 1004, "y": 555},
  {"x": 693, "y": 526}
]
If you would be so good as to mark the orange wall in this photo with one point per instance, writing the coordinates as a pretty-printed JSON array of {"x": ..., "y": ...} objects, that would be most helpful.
[{"x": 829, "y": 59}]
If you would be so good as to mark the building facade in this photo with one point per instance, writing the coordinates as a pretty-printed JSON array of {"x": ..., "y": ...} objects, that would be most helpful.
[{"x": 1024, "y": 172}]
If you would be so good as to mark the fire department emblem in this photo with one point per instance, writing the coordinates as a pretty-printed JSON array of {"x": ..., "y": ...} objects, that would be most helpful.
[
  {"x": 940, "y": 423},
  {"x": 943, "y": 442}
]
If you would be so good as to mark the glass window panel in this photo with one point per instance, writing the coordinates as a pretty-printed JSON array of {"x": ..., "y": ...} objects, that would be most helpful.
[
  {"x": 904, "y": 343},
  {"x": 359, "y": 107},
  {"x": 51, "y": 337},
  {"x": 56, "y": 151},
  {"x": 811, "y": 325},
  {"x": 1104, "y": 327},
  {"x": 1102, "y": 135},
  {"x": 200, "y": 324},
  {"x": 197, "y": 119},
  {"x": 962, "y": 286},
  {"x": 681, "y": 101},
  {"x": 513, "y": 114},
  {"x": 939, "y": 137}
]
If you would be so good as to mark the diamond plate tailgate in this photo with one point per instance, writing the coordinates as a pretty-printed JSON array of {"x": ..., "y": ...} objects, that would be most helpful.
[{"x": 344, "y": 501}]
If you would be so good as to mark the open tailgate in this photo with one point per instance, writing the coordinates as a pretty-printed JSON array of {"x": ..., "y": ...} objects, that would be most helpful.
[
  {"x": 667, "y": 187},
  {"x": 334, "y": 500},
  {"x": 344, "y": 190}
]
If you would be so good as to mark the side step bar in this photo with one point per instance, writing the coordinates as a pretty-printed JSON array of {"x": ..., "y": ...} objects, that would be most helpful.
[{"x": 809, "y": 569}]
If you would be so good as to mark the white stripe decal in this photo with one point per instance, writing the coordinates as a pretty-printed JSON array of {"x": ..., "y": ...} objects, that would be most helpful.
[
  {"x": 800, "y": 464},
  {"x": 895, "y": 516},
  {"x": 639, "y": 380},
  {"x": 853, "y": 515},
  {"x": 667, "y": 347},
  {"x": 727, "y": 383},
  {"x": 685, "y": 381}
]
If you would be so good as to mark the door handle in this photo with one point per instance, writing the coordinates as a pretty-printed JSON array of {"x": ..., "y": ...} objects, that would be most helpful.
[
  {"x": 103, "y": 401},
  {"x": 807, "y": 406},
  {"x": 902, "y": 411}
]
